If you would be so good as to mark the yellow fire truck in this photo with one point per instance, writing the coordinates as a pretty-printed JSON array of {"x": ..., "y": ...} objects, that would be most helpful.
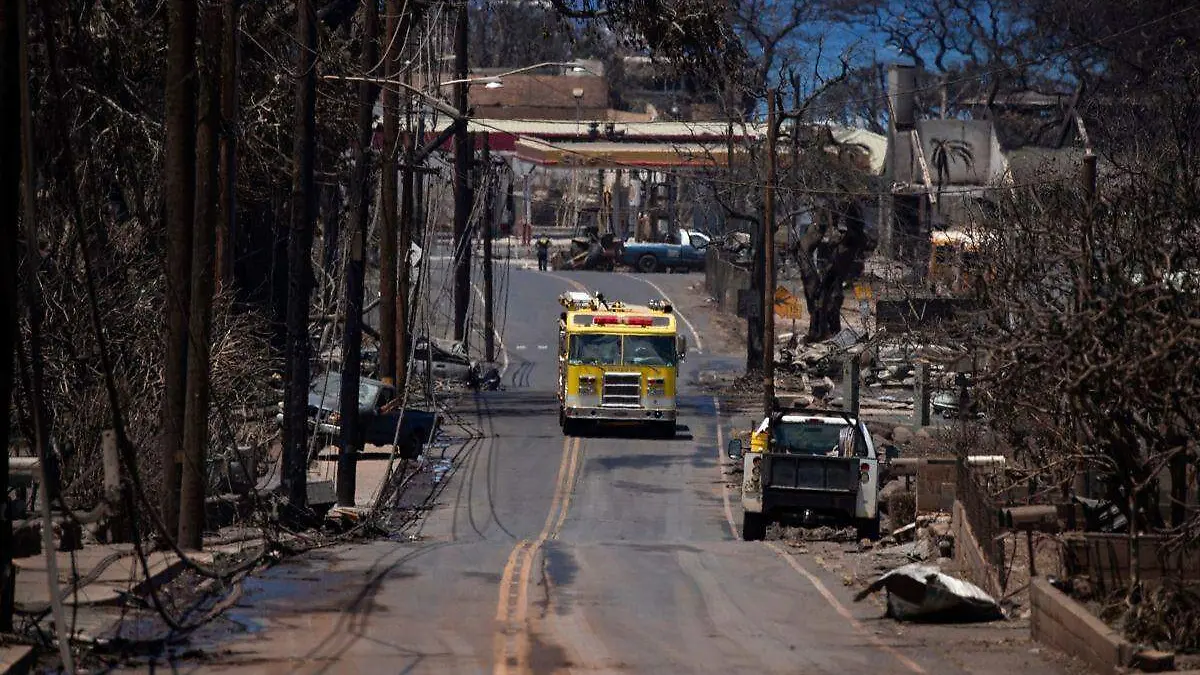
[{"x": 617, "y": 363}]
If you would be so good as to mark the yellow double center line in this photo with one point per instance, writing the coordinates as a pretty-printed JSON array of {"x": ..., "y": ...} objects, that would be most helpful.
[{"x": 511, "y": 645}]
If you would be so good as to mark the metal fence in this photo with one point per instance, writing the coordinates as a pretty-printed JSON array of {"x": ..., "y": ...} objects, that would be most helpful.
[{"x": 981, "y": 512}]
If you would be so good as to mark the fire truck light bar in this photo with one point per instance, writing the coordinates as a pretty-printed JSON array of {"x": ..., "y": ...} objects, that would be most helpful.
[{"x": 609, "y": 320}]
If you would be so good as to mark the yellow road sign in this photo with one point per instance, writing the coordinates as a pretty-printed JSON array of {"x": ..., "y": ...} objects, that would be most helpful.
[{"x": 787, "y": 305}]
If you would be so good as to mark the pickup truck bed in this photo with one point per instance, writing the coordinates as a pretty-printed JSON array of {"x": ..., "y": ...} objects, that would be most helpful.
[{"x": 823, "y": 484}]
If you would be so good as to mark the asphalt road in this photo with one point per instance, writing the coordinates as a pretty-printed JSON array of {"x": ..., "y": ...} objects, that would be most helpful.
[{"x": 598, "y": 554}]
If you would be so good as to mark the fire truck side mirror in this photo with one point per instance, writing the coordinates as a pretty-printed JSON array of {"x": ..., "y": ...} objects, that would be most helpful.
[
  {"x": 734, "y": 449},
  {"x": 681, "y": 346}
]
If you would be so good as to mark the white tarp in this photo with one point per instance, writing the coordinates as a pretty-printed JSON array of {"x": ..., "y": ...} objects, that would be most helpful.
[{"x": 919, "y": 592}]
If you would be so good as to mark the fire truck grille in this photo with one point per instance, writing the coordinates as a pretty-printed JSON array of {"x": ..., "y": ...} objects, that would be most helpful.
[{"x": 622, "y": 390}]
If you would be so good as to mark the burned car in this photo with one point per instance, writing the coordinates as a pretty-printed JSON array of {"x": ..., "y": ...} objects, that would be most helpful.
[
  {"x": 382, "y": 422},
  {"x": 446, "y": 358}
]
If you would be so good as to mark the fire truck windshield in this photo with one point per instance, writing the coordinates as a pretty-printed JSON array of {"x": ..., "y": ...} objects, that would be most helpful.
[{"x": 630, "y": 350}]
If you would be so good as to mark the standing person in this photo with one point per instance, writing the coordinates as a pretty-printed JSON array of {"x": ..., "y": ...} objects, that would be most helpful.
[{"x": 543, "y": 252}]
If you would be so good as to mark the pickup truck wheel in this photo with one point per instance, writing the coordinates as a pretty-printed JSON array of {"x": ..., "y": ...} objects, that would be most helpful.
[
  {"x": 868, "y": 528},
  {"x": 648, "y": 263},
  {"x": 754, "y": 526}
]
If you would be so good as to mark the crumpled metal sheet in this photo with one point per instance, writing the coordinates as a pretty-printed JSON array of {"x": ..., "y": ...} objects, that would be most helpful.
[{"x": 922, "y": 593}]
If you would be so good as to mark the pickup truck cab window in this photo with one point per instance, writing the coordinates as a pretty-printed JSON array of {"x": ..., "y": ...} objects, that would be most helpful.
[
  {"x": 805, "y": 438},
  {"x": 813, "y": 436}
]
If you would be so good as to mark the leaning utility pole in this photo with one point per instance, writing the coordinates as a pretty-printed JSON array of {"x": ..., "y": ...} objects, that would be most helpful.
[
  {"x": 294, "y": 475},
  {"x": 463, "y": 149},
  {"x": 489, "y": 325},
  {"x": 10, "y": 204},
  {"x": 768, "y": 255},
  {"x": 207, "y": 212},
  {"x": 360, "y": 190},
  {"x": 179, "y": 183}
]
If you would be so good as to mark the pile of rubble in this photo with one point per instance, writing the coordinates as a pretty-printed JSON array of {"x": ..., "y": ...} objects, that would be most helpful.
[
  {"x": 928, "y": 538},
  {"x": 888, "y": 371}
]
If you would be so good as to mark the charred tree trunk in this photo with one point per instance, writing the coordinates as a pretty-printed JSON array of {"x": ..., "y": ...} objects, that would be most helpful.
[
  {"x": 300, "y": 276},
  {"x": 360, "y": 190},
  {"x": 227, "y": 225},
  {"x": 207, "y": 214},
  {"x": 180, "y": 185},
  {"x": 10, "y": 206},
  {"x": 828, "y": 261}
]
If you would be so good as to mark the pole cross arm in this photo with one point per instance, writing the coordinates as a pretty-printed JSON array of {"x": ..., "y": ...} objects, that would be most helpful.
[{"x": 446, "y": 134}]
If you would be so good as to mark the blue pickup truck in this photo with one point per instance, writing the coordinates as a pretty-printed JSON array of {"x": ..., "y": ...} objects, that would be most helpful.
[{"x": 685, "y": 252}]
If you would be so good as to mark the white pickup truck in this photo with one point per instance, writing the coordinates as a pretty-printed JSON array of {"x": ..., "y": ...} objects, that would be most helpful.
[{"x": 807, "y": 463}]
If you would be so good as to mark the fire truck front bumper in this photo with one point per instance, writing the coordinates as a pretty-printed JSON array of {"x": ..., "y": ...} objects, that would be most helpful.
[{"x": 610, "y": 414}]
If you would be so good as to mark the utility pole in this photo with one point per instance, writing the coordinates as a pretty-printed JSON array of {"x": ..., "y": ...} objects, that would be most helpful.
[
  {"x": 601, "y": 206},
  {"x": 464, "y": 147},
  {"x": 179, "y": 178},
  {"x": 768, "y": 247},
  {"x": 360, "y": 190},
  {"x": 207, "y": 212},
  {"x": 754, "y": 314},
  {"x": 294, "y": 475},
  {"x": 33, "y": 386},
  {"x": 10, "y": 175},
  {"x": 489, "y": 325},
  {"x": 527, "y": 195},
  {"x": 389, "y": 197},
  {"x": 227, "y": 226},
  {"x": 619, "y": 200},
  {"x": 407, "y": 206}
]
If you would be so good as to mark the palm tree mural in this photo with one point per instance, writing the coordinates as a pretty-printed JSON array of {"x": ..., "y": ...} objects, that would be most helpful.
[{"x": 946, "y": 152}]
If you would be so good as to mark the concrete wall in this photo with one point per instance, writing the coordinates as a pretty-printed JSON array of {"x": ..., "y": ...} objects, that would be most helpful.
[{"x": 1060, "y": 622}]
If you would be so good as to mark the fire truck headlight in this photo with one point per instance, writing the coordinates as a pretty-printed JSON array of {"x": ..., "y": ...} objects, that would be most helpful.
[
  {"x": 587, "y": 385},
  {"x": 656, "y": 387}
]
